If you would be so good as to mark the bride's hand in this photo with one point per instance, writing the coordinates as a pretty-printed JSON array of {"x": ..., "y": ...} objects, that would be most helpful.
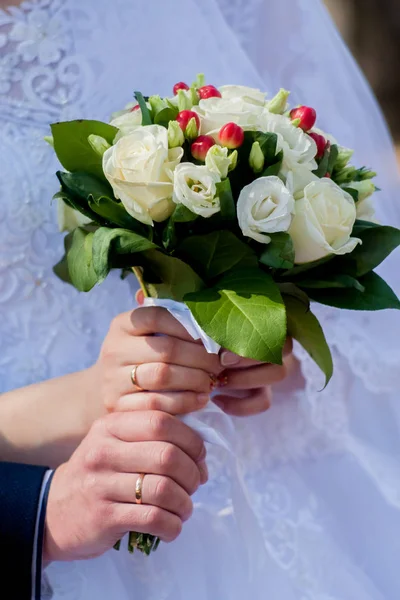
[
  {"x": 171, "y": 362},
  {"x": 245, "y": 385}
]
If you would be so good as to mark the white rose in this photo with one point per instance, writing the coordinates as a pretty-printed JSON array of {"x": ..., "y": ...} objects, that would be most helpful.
[
  {"x": 140, "y": 168},
  {"x": 323, "y": 222},
  {"x": 127, "y": 122},
  {"x": 298, "y": 148},
  {"x": 195, "y": 188},
  {"x": 216, "y": 112},
  {"x": 248, "y": 94},
  {"x": 265, "y": 206},
  {"x": 69, "y": 218}
]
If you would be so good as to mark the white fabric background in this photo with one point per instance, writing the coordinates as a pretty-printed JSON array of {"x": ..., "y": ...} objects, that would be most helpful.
[{"x": 322, "y": 469}]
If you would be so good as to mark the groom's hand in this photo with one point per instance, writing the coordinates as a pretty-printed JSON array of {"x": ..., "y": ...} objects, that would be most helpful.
[{"x": 92, "y": 500}]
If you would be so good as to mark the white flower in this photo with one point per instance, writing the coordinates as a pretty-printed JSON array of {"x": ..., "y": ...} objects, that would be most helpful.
[
  {"x": 365, "y": 205},
  {"x": 248, "y": 94},
  {"x": 216, "y": 112},
  {"x": 298, "y": 179},
  {"x": 323, "y": 222},
  {"x": 195, "y": 188},
  {"x": 298, "y": 148},
  {"x": 68, "y": 218},
  {"x": 265, "y": 206},
  {"x": 218, "y": 160},
  {"x": 140, "y": 168},
  {"x": 127, "y": 121}
]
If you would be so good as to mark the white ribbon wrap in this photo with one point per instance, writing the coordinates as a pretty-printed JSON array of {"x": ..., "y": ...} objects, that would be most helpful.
[{"x": 222, "y": 434}]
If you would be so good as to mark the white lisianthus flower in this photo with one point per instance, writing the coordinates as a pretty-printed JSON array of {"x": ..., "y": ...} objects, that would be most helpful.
[
  {"x": 218, "y": 160},
  {"x": 323, "y": 222},
  {"x": 248, "y": 94},
  {"x": 298, "y": 148},
  {"x": 298, "y": 179},
  {"x": 265, "y": 206},
  {"x": 69, "y": 218},
  {"x": 195, "y": 188},
  {"x": 140, "y": 168},
  {"x": 127, "y": 122},
  {"x": 216, "y": 112}
]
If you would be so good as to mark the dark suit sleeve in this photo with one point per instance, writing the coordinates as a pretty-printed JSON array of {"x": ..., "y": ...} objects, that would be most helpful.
[{"x": 20, "y": 489}]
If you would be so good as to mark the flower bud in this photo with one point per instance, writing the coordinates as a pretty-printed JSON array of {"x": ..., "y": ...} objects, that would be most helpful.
[
  {"x": 157, "y": 104},
  {"x": 184, "y": 100},
  {"x": 181, "y": 85},
  {"x": 201, "y": 146},
  {"x": 98, "y": 144},
  {"x": 321, "y": 143},
  {"x": 307, "y": 116},
  {"x": 209, "y": 91},
  {"x": 256, "y": 158},
  {"x": 364, "y": 173},
  {"x": 278, "y": 103},
  {"x": 218, "y": 161},
  {"x": 231, "y": 136},
  {"x": 364, "y": 188},
  {"x": 345, "y": 175},
  {"x": 184, "y": 117},
  {"x": 343, "y": 158},
  {"x": 175, "y": 135},
  {"x": 200, "y": 81}
]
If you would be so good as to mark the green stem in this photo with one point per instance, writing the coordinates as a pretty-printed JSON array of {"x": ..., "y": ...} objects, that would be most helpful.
[{"x": 139, "y": 276}]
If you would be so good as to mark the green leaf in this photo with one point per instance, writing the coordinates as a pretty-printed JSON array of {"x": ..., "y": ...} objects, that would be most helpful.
[
  {"x": 290, "y": 289},
  {"x": 146, "y": 116},
  {"x": 73, "y": 149},
  {"x": 216, "y": 253},
  {"x": 114, "y": 212},
  {"x": 360, "y": 226},
  {"x": 353, "y": 193},
  {"x": 268, "y": 144},
  {"x": 181, "y": 214},
  {"x": 304, "y": 327},
  {"x": 322, "y": 168},
  {"x": 334, "y": 281},
  {"x": 110, "y": 242},
  {"x": 80, "y": 262},
  {"x": 61, "y": 268},
  {"x": 164, "y": 116},
  {"x": 279, "y": 253},
  {"x": 298, "y": 269},
  {"x": 333, "y": 156},
  {"x": 72, "y": 197},
  {"x": 228, "y": 208},
  {"x": 244, "y": 313},
  {"x": 377, "y": 295},
  {"x": 275, "y": 168},
  {"x": 377, "y": 243},
  {"x": 178, "y": 276}
]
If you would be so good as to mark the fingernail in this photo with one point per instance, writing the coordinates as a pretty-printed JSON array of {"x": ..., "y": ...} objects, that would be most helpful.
[
  {"x": 203, "y": 472},
  {"x": 222, "y": 380},
  {"x": 213, "y": 382},
  {"x": 228, "y": 359},
  {"x": 203, "y": 454},
  {"x": 202, "y": 400}
]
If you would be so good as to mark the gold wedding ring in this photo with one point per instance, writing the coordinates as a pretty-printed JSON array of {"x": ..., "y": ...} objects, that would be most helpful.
[
  {"x": 133, "y": 378},
  {"x": 138, "y": 488}
]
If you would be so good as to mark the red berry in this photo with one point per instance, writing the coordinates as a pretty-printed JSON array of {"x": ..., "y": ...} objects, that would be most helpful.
[
  {"x": 201, "y": 146},
  {"x": 327, "y": 175},
  {"x": 136, "y": 107},
  {"x": 231, "y": 136},
  {"x": 184, "y": 117},
  {"x": 321, "y": 143},
  {"x": 208, "y": 91},
  {"x": 306, "y": 115},
  {"x": 181, "y": 85}
]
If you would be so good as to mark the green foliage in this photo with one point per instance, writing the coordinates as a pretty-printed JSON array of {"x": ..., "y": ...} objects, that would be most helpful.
[
  {"x": 279, "y": 253},
  {"x": 216, "y": 253},
  {"x": 73, "y": 148},
  {"x": 244, "y": 313}
]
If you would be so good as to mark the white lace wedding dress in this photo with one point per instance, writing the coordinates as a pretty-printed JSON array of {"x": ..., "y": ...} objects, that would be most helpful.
[{"x": 322, "y": 469}]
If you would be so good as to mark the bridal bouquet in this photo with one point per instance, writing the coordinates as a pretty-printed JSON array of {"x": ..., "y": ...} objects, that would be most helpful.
[{"x": 231, "y": 203}]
